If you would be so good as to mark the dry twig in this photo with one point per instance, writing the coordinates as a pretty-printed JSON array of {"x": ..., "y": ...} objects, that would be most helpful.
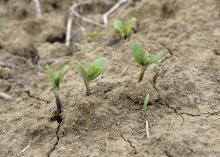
[
  {"x": 121, "y": 3},
  {"x": 28, "y": 146},
  {"x": 147, "y": 129},
  {"x": 5, "y": 96},
  {"x": 73, "y": 12},
  {"x": 38, "y": 8},
  {"x": 69, "y": 26},
  {"x": 124, "y": 70}
]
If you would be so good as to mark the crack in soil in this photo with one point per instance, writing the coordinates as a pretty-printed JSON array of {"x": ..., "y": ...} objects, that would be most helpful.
[
  {"x": 134, "y": 101},
  {"x": 156, "y": 76},
  {"x": 57, "y": 141},
  {"x": 169, "y": 51},
  {"x": 167, "y": 153},
  {"x": 190, "y": 114},
  {"x": 134, "y": 150},
  {"x": 34, "y": 97},
  {"x": 197, "y": 115},
  {"x": 176, "y": 112},
  {"x": 155, "y": 80}
]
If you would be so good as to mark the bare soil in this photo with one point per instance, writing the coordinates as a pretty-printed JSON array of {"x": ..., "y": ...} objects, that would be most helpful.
[{"x": 184, "y": 87}]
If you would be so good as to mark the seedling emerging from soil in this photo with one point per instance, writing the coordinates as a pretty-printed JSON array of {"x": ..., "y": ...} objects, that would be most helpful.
[
  {"x": 56, "y": 79},
  {"x": 125, "y": 29},
  {"x": 144, "y": 58},
  {"x": 2, "y": 24},
  {"x": 146, "y": 101},
  {"x": 191, "y": 100},
  {"x": 92, "y": 35},
  {"x": 92, "y": 72}
]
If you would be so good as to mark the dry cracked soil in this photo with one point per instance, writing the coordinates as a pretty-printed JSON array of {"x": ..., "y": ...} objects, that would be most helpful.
[{"x": 184, "y": 87}]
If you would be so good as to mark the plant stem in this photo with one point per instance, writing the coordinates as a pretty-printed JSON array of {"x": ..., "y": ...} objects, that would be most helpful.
[
  {"x": 58, "y": 102},
  {"x": 143, "y": 68},
  {"x": 88, "y": 92}
]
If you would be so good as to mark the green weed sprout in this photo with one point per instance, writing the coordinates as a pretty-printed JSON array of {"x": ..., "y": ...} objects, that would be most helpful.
[
  {"x": 2, "y": 24},
  {"x": 125, "y": 29},
  {"x": 191, "y": 100},
  {"x": 146, "y": 101},
  {"x": 144, "y": 58},
  {"x": 92, "y": 72},
  {"x": 56, "y": 79},
  {"x": 92, "y": 35}
]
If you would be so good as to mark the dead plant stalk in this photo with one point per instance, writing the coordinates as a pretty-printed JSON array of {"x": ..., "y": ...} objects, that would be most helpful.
[
  {"x": 38, "y": 8},
  {"x": 120, "y": 3},
  {"x": 73, "y": 12}
]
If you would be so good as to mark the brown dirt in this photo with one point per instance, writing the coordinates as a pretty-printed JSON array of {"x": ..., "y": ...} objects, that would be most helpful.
[{"x": 111, "y": 121}]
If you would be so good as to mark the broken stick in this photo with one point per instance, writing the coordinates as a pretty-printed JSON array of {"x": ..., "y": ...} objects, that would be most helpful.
[{"x": 38, "y": 8}]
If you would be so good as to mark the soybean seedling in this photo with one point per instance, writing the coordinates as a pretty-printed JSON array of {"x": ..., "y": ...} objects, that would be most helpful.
[
  {"x": 125, "y": 29},
  {"x": 144, "y": 58},
  {"x": 56, "y": 79},
  {"x": 92, "y": 72}
]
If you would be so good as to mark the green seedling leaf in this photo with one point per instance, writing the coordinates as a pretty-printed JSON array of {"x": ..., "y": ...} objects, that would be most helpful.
[
  {"x": 125, "y": 29},
  {"x": 56, "y": 81},
  {"x": 146, "y": 101},
  {"x": 92, "y": 72},
  {"x": 51, "y": 75},
  {"x": 82, "y": 70},
  {"x": 143, "y": 58},
  {"x": 156, "y": 57},
  {"x": 131, "y": 25},
  {"x": 96, "y": 68},
  {"x": 62, "y": 73},
  {"x": 120, "y": 27},
  {"x": 146, "y": 59},
  {"x": 56, "y": 78},
  {"x": 138, "y": 52}
]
